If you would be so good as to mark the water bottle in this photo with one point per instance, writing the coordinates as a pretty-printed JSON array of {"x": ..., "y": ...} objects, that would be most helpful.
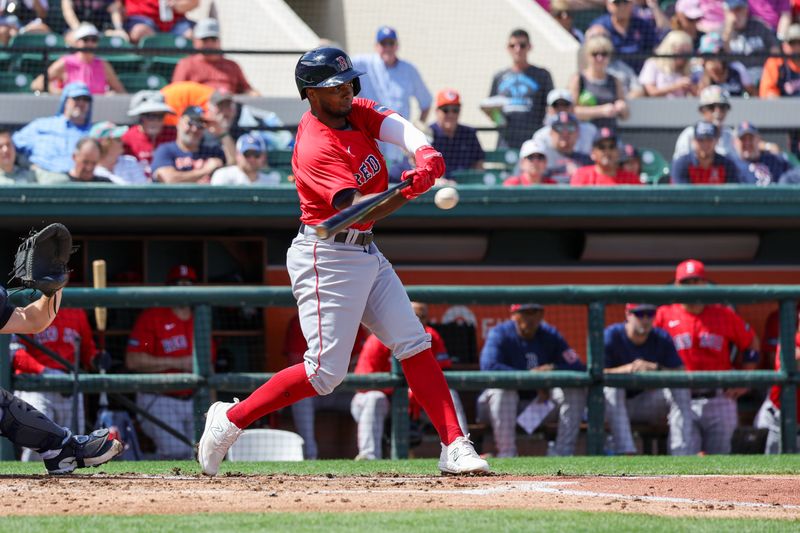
[{"x": 165, "y": 11}]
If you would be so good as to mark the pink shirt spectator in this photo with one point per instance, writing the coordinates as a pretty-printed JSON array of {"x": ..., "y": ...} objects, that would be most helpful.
[
  {"x": 769, "y": 11},
  {"x": 92, "y": 74},
  {"x": 713, "y": 16},
  {"x": 652, "y": 75}
]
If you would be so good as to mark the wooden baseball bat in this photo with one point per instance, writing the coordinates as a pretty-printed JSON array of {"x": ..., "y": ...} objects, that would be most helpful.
[
  {"x": 99, "y": 278},
  {"x": 357, "y": 212}
]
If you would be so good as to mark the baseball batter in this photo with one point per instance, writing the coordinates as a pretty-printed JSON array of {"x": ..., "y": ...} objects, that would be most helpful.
[
  {"x": 703, "y": 336},
  {"x": 769, "y": 415},
  {"x": 344, "y": 280},
  {"x": 69, "y": 335}
]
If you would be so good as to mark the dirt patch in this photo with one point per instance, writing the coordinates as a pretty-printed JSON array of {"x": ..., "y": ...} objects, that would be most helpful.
[{"x": 719, "y": 496}]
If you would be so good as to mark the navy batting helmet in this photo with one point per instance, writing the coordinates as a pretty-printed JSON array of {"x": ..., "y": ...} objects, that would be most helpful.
[{"x": 325, "y": 67}]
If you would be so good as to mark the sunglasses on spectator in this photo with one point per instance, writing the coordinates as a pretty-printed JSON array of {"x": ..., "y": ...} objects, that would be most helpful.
[
  {"x": 644, "y": 313},
  {"x": 714, "y": 107},
  {"x": 90, "y": 39},
  {"x": 252, "y": 154},
  {"x": 794, "y": 42},
  {"x": 536, "y": 157},
  {"x": 565, "y": 128},
  {"x": 388, "y": 42},
  {"x": 82, "y": 99},
  {"x": 450, "y": 109},
  {"x": 152, "y": 116},
  {"x": 199, "y": 124},
  {"x": 561, "y": 103},
  {"x": 601, "y": 53},
  {"x": 204, "y": 39},
  {"x": 606, "y": 146},
  {"x": 518, "y": 45}
]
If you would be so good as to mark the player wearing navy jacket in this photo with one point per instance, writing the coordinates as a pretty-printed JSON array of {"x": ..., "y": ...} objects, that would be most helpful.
[
  {"x": 526, "y": 342},
  {"x": 636, "y": 346}
]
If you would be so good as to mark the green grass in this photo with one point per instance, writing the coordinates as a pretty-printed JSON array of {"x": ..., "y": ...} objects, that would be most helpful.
[
  {"x": 524, "y": 466},
  {"x": 418, "y": 521}
]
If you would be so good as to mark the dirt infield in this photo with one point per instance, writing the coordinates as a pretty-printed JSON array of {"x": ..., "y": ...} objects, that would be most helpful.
[{"x": 719, "y": 496}]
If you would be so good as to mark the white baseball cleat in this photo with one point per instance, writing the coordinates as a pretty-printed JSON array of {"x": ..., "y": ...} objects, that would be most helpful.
[
  {"x": 218, "y": 435},
  {"x": 461, "y": 458}
]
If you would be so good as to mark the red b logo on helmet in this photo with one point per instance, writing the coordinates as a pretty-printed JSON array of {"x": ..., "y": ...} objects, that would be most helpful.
[{"x": 342, "y": 63}]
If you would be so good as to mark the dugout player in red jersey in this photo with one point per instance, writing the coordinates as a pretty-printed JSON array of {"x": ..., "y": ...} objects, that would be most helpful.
[
  {"x": 344, "y": 280},
  {"x": 703, "y": 336}
]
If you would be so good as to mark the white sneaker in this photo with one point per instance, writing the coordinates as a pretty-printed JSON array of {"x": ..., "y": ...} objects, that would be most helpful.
[
  {"x": 218, "y": 435},
  {"x": 461, "y": 458}
]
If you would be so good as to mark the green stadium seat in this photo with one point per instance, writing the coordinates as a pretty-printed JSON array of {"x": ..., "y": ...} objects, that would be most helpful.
[
  {"x": 280, "y": 158},
  {"x": 128, "y": 62},
  {"x": 14, "y": 82},
  {"x": 283, "y": 173},
  {"x": 34, "y": 62},
  {"x": 793, "y": 160},
  {"x": 655, "y": 167},
  {"x": 165, "y": 64},
  {"x": 507, "y": 158},
  {"x": 141, "y": 81},
  {"x": 476, "y": 177}
]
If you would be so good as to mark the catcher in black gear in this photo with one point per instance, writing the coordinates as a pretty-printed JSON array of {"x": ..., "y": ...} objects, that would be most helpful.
[{"x": 41, "y": 263}]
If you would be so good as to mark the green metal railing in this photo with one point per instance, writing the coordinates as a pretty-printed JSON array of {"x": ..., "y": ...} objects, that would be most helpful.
[{"x": 203, "y": 380}]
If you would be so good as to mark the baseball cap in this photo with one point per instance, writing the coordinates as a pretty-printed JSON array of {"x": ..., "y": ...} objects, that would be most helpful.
[
  {"x": 148, "y": 102},
  {"x": 250, "y": 142},
  {"x": 745, "y": 127},
  {"x": 531, "y": 147},
  {"x": 518, "y": 308},
  {"x": 563, "y": 118},
  {"x": 107, "y": 130},
  {"x": 629, "y": 152},
  {"x": 195, "y": 113},
  {"x": 76, "y": 89},
  {"x": 733, "y": 4},
  {"x": 86, "y": 29},
  {"x": 206, "y": 28},
  {"x": 792, "y": 34},
  {"x": 690, "y": 269},
  {"x": 630, "y": 307},
  {"x": 385, "y": 32},
  {"x": 690, "y": 8},
  {"x": 705, "y": 130},
  {"x": 220, "y": 95},
  {"x": 714, "y": 94},
  {"x": 710, "y": 43},
  {"x": 604, "y": 134},
  {"x": 559, "y": 94},
  {"x": 181, "y": 272},
  {"x": 448, "y": 97}
]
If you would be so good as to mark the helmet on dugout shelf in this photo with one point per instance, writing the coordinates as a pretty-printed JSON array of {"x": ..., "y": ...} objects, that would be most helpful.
[{"x": 325, "y": 67}]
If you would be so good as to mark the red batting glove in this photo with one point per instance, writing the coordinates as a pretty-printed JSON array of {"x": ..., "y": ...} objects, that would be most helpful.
[
  {"x": 420, "y": 183},
  {"x": 430, "y": 166},
  {"x": 430, "y": 159}
]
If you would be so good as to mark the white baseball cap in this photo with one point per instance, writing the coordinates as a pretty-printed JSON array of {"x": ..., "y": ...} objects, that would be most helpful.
[
  {"x": 559, "y": 94},
  {"x": 531, "y": 147},
  {"x": 86, "y": 29}
]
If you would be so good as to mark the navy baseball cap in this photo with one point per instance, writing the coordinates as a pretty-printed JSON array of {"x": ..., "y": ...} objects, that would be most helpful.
[
  {"x": 629, "y": 152},
  {"x": 746, "y": 127},
  {"x": 385, "y": 32},
  {"x": 250, "y": 143},
  {"x": 195, "y": 113},
  {"x": 518, "y": 308},
  {"x": 705, "y": 130},
  {"x": 604, "y": 134},
  {"x": 563, "y": 121}
]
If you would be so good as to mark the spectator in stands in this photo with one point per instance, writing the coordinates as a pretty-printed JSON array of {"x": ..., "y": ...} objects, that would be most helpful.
[
  {"x": 599, "y": 97},
  {"x": 392, "y": 82},
  {"x": 746, "y": 35},
  {"x": 559, "y": 100},
  {"x": 185, "y": 94},
  {"x": 636, "y": 346},
  {"x": 704, "y": 165},
  {"x": 560, "y": 10},
  {"x": 757, "y": 166},
  {"x": 670, "y": 76},
  {"x": 457, "y": 143},
  {"x": 781, "y": 75},
  {"x": 148, "y": 17},
  {"x": 518, "y": 97},
  {"x": 617, "y": 67},
  {"x": 650, "y": 10},
  {"x": 162, "y": 341},
  {"x": 527, "y": 342},
  {"x": 10, "y": 172},
  {"x": 629, "y": 34},
  {"x": 114, "y": 164},
  {"x": 251, "y": 158},
  {"x": 631, "y": 159},
  {"x": 141, "y": 139},
  {"x": 730, "y": 76},
  {"x": 704, "y": 335},
  {"x": 776, "y": 14},
  {"x": 214, "y": 70},
  {"x": 84, "y": 162},
  {"x": 532, "y": 166},
  {"x": 713, "y": 107},
  {"x": 606, "y": 169},
  {"x": 48, "y": 142},
  {"x": 107, "y": 15},
  {"x": 184, "y": 161},
  {"x": 688, "y": 13},
  {"x": 562, "y": 157},
  {"x": 70, "y": 336},
  {"x": 27, "y": 16},
  {"x": 370, "y": 407},
  {"x": 84, "y": 66},
  {"x": 221, "y": 116}
]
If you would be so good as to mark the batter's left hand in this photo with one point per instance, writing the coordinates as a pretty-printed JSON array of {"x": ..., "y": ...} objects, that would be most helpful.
[{"x": 429, "y": 161}]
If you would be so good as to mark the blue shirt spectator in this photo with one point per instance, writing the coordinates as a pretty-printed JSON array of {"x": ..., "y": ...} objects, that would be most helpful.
[
  {"x": 639, "y": 37},
  {"x": 187, "y": 160},
  {"x": 457, "y": 143},
  {"x": 756, "y": 166},
  {"x": 506, "y": 349},
  {"x": 703, "y": 166},
  {"x": 49, "y": 142}
]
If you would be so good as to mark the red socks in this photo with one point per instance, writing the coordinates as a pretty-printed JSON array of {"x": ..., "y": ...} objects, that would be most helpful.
[
  {"x": 426, "y": 380},
  {"x": 288, "y": 386}
]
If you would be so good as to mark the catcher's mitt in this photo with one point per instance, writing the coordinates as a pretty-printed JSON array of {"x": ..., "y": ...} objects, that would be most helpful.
[{"x": 41, "y": 260}]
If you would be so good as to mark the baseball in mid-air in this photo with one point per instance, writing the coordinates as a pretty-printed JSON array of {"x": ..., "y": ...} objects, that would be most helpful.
[{"x": 446, "y": 198}]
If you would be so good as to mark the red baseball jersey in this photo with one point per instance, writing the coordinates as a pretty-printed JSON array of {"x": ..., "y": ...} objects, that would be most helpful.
[
  {"x": 589, "y": 175},
  {"x": 775, "y": 390},
  {"x": 703, "y": 341},
  {"x": 160, "y": 333},
  {"x": 295, "y": 346},
  {"x": 69, "y": 327},
  {"x": 327, "y": 161}
]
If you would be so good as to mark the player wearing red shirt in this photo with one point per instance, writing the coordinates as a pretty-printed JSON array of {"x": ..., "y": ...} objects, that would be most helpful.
[
  {"x": 703, "y": 336},
  {"x": 769, "y": 415},
  {"x": 344, "y": 280},
  {"x": 606, "y": 169}
]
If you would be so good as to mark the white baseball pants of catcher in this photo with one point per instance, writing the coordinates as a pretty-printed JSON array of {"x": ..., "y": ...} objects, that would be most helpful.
[
  {"x": 339, "y": 285},
  {"x": 655, "y": 405},
  {"x": 57, "y": 408},
  {"x": 500, "y": 407},
  {"x": 176, "y": 412}
]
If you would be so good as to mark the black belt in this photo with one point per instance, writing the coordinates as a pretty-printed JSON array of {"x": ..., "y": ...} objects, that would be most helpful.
[
  {"x": 704, "y": 393},
  {"x": 362, "y": 239}
]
